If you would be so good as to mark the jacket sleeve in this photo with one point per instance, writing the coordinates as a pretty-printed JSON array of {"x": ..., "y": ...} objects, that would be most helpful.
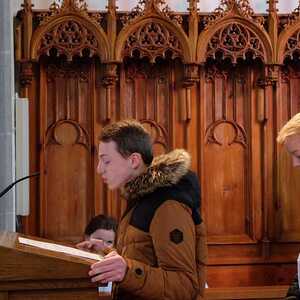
[{"x": 173, "y": 235}]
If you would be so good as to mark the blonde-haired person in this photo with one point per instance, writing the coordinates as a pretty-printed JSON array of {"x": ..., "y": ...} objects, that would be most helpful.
[{"x": 289, "y": 136}]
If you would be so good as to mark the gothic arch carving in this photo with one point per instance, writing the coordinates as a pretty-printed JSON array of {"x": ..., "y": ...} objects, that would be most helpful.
[
  {"x": 79, "y": 134},
  {"x": 167, "y": 37},
  {"x": 239, "y": 136},
  {"x": 288, "y": 42},
  {"x": 77, "y": 30},
  {"x": 251, "y": 39}
]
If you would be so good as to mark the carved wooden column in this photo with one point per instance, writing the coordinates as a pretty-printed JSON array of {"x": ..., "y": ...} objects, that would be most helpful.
[
  {"x": 193, "y": 25},
  {"x": 266, "y": 100},
  {"x": 109, "y": 81},
  {"x": 27, "y": 27},
  {"x": 273, "y": 21},
  {"x": 189, "y": 110},
  {"x": 26, "y": 76},
  {"x": 27, "y": 89},
  {"x": 191, "y": 76},
  {"x": 23, "y": 55},
  {"x": 112, "y": 23}
]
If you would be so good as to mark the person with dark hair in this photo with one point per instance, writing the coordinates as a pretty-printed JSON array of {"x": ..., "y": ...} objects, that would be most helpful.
[
  {"x": 161, "y": 246},
  {"x": 100, "y": 228}
]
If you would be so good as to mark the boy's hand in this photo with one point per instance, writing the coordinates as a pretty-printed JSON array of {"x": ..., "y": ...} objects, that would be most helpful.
[{"x": 112, "y": 268}]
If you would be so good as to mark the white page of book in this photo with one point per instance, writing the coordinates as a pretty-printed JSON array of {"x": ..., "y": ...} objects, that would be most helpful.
[{"x": 60, "y": 248}]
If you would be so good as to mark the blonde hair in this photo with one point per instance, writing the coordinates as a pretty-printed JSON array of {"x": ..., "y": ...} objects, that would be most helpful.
[{"x": 290, "y": 128}]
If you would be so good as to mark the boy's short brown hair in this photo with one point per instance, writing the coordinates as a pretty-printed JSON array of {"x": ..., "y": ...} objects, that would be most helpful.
[{"x": 130, "y": 136}]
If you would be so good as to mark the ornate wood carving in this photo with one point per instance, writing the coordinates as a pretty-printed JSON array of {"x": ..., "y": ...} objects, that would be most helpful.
[
  {"x": 61, "y": 7},
  {"x": 292, "y": 47},
  {"x": 191, "y": 76},
  {"x": 153, "y": 40},
  {"x": 66, "y": 83},
  {"x": 26, "y": 73},
  {"x": 225, "y": 113},
  {"x": 238, "y": 137},
  {"x": 70, "y": 30},
  {"x": 235, "y": 41},
  {"x": 145, "y": 7},
  {"x": 109, "y": 80},
  {"x": 79, "y": 136},
  {"x": 158, "y": 133},
  {"x": 70, "y": 39},
  {"x": 294, "y": 16},
  {"x": 227, "y": 7},
  {"x": 27, "y": 31},
  {"x": 145, "y": 95}
]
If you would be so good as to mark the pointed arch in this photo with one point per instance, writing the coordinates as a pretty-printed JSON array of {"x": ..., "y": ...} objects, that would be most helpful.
[
  {"x": 174, "y": 39},
  {"x": 51, "y": 35},
  {"x": 288, "y": 42},
  {"x": 258, "y": 40}
]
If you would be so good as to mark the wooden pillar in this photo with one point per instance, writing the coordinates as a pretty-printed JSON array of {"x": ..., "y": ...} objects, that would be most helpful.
[
  {"x": 109, "y": 81},
  {"x": 193, "y": 25},
  {"x": 266, "y": 99}
]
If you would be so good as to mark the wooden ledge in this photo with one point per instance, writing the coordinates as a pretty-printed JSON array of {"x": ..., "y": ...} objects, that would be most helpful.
[{"x": 251, "y": 292}]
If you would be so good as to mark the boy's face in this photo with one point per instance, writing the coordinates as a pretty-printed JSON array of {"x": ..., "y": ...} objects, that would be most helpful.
[
  {"x": 292, "y": 145},
  {"x": 107, "y": 236},
  {"x": 112, "y": 166}
]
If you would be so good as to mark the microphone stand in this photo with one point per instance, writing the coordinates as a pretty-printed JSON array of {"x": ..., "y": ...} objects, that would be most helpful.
[{"x": 8, "y": 188}]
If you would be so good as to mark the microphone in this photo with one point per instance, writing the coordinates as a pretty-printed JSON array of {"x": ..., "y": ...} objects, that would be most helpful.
[{"x": 8, "y": 188}]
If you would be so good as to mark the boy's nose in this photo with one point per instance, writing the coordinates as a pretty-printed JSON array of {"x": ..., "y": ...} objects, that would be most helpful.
[{"x": 99, "y": 168}]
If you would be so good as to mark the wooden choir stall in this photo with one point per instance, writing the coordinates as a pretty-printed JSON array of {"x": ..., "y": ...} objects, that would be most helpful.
[{"x": 219, "y": 84}]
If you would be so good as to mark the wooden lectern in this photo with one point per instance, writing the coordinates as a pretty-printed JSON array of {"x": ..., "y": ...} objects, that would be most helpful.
[{"x": 27, "y": 272}]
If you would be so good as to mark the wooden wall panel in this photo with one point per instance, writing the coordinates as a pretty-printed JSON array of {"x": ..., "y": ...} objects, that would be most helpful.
[
  {"x": 228, "y": 181},
  {"x": 67, "y": 159},
  {"x": 145, "y": 95}
]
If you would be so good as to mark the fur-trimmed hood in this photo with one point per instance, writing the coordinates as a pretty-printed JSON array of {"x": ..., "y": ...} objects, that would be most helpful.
[{"x": 165, "y": 170}]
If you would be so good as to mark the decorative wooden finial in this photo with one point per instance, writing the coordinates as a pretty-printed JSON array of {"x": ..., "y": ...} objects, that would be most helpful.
[
  {"x": 272, "y": 5},
  {"x": 193, "y": 5},
  {"x": 27, "y": 6},
  {"x": 111, "y": 5}
]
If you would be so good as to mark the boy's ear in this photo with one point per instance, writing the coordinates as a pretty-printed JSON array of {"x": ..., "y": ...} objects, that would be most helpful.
[{"x": 136, "y": 160}]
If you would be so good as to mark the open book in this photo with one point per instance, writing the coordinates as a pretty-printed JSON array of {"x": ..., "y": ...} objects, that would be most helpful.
[{"x": 59, "y": 248}]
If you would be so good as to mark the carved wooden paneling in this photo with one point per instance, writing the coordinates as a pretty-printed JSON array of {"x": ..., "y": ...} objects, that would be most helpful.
[
  {"x": 235, "y": 41},
  {"x": 145, "y": 95},
  {"x": 153, "y": 40},
  {"x": 228, "y": 180},
  {"x": 66, "y": 116},
  {"x": 70, "y": 39}
]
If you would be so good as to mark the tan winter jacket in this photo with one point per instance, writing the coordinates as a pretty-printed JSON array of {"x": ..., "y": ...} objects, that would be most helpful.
[{"x": 161, "y": 235}]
